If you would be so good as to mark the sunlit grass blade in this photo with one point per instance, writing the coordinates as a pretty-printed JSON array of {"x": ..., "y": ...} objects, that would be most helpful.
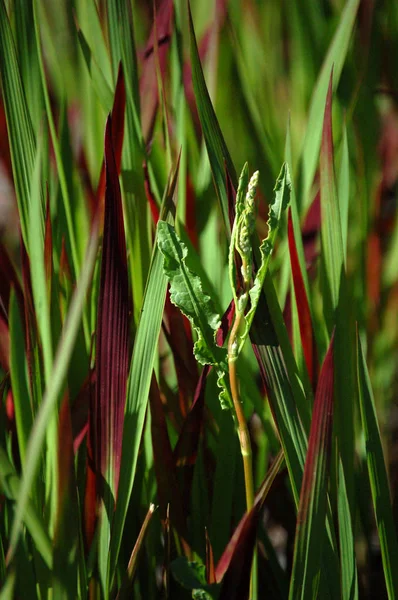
[
  {"x": 336, "y": 57},
  {"x": 132, "y": 566},
  {"x": 310, "y": 532},
  {"x": 378, "y": 476}
]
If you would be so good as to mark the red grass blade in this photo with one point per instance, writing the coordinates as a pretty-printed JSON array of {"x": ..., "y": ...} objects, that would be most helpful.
[
  {"x": 168, "y": 490},
  {"x": 149, "y": 92},
  {"x": 234, "y": 566},
  {"x": 310, "y": 529},
  {"x": 118, "y": 112},
  {"x": 107, "y": 413},
  {"x": 304, "y": 314}
]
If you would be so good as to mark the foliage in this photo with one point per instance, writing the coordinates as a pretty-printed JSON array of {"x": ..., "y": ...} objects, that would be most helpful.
[{"x": 141, "y": 281}]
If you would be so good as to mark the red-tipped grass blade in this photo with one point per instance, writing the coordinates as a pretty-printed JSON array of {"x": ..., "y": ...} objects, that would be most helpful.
[
  {"x": 149, "y": 92},
  {"x": 304, "y": 313},
  {"x": 106, "y": 414},
  {"x": 311, "y": 518},
  {"x": 118, "y": 112},
  {"x": 234, "y": 566}
]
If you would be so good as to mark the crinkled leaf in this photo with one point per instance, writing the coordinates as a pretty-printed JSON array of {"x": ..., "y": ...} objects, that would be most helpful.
[
  {"x": 282, "y": 198},
  {"x": 187, "y": 293}
]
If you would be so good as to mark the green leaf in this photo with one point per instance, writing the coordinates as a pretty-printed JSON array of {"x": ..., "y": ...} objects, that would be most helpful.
[
  {"x": 187, "y": 294},
  {"x": 378, "y": 476}
]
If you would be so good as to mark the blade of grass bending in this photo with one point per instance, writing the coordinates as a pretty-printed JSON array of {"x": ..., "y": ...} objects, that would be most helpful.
[
  {"x": 234, "y": 566},
  {"x": 107, "y": 411},
  {"x": 336, "y": 56},
  {"x": 378, "y": 476},
  {"x": 132, "y": 566},
  {"x": 54, "y": 388},
  {"x": 141, "y": 367},
  {"x": 19, "y": 125},
  {"x": 11, "y": 487},
  {"x": 215, "y": 144},
  {"x": 310, "y": 531},
  {"x": 19, "y": 378}
]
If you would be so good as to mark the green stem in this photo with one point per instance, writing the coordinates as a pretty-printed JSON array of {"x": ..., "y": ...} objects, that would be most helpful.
[{"x": 244, "y": 438}]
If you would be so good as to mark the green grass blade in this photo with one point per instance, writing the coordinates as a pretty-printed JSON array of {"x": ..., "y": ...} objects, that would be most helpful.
[
  {"x": 19, "y": 378},
  {"x": 310, "y": 529},
  {"x": 378, "y": 476},
  {"x": 216, "y": 148},
  {"x": 349, "y": 575},
  {"x": 20, "y": 131},
  {"x": 336, "y": 57},
  {"x": 344, "y": 190},
  {"x": 11, "y": 486},
  {"x": 54, "y": 387}
]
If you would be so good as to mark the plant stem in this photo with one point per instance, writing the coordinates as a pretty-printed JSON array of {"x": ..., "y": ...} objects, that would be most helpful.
[{"x": 243, "y": 432}]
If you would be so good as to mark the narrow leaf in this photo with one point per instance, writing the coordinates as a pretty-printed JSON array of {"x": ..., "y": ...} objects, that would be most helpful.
[
  {"x": 378, "y": 476},
  {"x": 310, "y": 531}
]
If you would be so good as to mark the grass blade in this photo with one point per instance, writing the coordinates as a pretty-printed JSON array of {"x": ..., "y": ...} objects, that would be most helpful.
[
  {"x": 378, "y": 476},
  {"x": 311, "y": 516}
]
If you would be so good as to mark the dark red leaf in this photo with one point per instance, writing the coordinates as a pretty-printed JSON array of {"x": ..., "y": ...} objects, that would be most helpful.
[
  {"x": 304, "y": 314},
  {"x": 4, "y": 344},
  {"x": 107, "y": 411},
  {"x": 234, "y": 566},
  {"x": 118, "y": 112},
  {"x": 8, "y": 279},
  {"x": 168, "y": 491},
  {"x": 179, "y": 337}
]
